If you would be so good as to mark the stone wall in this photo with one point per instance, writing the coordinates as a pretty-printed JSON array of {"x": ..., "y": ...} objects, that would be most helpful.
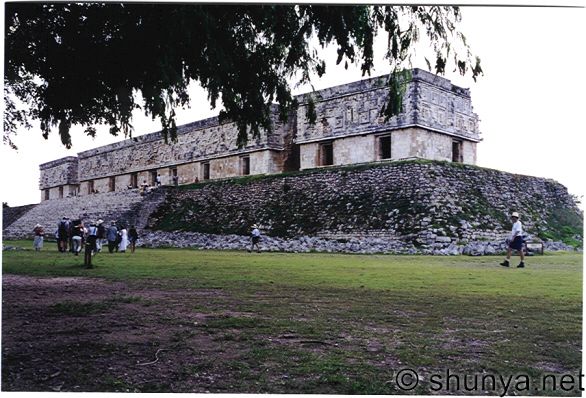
[
  {"x": 59, "y": 172},
  {"x": 444, "y": 106},
  {"x": 430, "y": 205},
  {"x": 430, "y": 101},
  {"x": 408, "y": 143},
  {"x": 420, "y": 143},
  {"x": 198, "y": 141},
  {"x": 61, "y": 191}
]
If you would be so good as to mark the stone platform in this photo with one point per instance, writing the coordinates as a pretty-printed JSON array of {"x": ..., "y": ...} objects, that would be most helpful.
[{"x": 128, "y": 207}]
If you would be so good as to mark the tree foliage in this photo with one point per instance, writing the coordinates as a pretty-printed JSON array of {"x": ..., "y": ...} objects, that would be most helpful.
[{"x": 85, "y": 63}]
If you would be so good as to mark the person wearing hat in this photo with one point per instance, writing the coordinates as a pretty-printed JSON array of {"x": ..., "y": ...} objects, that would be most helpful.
[
  {"x": 515, "y": 241},
  {"x": 254, "y": 238},
  {"x": 39, "y": 237}
]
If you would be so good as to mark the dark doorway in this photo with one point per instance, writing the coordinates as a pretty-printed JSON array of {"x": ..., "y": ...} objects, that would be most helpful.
[
  {"x": 245, "y": 165},
  {"x": 206, "y": 171},
  {"x": 457, "y": 155},
  {"x": 326, "y": 154},
  {"x": 385, "y": 147}
]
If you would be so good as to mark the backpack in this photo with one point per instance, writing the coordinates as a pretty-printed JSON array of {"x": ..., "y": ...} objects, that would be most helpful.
[
  {"x": 62, "y": 229},
  {"x": 101, "y": 231}
]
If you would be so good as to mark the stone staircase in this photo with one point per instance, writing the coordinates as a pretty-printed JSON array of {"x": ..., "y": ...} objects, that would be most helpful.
[
  {"x": 139, "y": 213},
  {"x": 127, "y": 207},
  {"x": 11, "y": 214}
]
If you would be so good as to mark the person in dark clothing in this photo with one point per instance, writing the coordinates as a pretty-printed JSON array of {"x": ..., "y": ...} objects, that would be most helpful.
[
  {"x": 101, "y": 234},
  {"x": 132, "y": 237},
  {"x": 63, "y": 234},
  {"x": 112, "y": 236},
  {"x": 70, "y": 225}
]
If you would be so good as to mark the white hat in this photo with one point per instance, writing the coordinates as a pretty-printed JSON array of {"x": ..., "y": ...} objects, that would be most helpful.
[
  {"x": 100, "y": 221},
  {"x": 38, "y": 225},
  {"x": 254, "y": 226},
  {"x": 515, "y": 214}
]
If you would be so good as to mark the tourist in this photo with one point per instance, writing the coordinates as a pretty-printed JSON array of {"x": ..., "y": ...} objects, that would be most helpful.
[
  {"x": 92, "y": 237},
  {"x": 70, "y": 225},
  {"x": 123, "y": 239},
  {"x": 143, "y": 187},
  {"x": 101, "y": 235},
  {"x": 63, "y": 234},
  {"x": 158, "y": 180},
  {"x": 39, "y": 237},
  {"x": 112, "y": 236},
  {"x": 516, "y": 241},
  {"x": 77, "y": 233},
  {"x": 255, "y": 239},
  {"x": 132, "y": 238}
]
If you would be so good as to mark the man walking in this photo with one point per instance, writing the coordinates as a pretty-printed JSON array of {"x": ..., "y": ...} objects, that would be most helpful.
[
  {"x": 515, "y": 241},
  {"x": 255, "y": 239},
  {"x": 112, "y": 235}
]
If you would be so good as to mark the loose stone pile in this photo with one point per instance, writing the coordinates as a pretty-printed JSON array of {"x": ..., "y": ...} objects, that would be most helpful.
[{"x": 307, "y": 244}]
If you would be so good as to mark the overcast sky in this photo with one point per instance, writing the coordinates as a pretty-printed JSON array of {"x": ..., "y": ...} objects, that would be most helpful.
[{"x": 530, "y": 101}]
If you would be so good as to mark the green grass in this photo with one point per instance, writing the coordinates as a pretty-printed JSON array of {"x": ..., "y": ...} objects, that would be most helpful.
[
  {"x": 350, "y": 321},
  {"x": 462, "y": 275}
]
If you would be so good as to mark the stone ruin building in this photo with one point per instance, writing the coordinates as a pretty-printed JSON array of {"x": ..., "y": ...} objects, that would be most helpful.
[{"x": 437, "y": 123}]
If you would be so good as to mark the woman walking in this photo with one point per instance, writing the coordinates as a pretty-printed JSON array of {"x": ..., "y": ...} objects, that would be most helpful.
[
  {"x": 123, "y": 239},
  {"x": 39, "y": 237}
]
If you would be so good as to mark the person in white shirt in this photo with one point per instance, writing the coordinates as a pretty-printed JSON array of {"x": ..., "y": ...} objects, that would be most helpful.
[
  {"x": 515, "y": 241},
  {"x": 254, "y": 238},
  {"x": 124, "y": 240}
]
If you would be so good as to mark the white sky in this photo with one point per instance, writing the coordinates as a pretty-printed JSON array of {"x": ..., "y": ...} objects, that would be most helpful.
[{"x": 530, "y": 101}]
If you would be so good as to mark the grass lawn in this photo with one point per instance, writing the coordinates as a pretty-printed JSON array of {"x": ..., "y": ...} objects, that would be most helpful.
[{"x": 223, "y": 321}]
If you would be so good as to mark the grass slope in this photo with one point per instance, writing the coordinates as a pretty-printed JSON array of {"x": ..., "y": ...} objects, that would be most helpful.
[{"x": 318, "y": 323}]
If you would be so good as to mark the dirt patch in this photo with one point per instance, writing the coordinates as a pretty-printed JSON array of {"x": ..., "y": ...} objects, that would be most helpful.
[
  {"x": 85, "y": 334},
  {"x": 165, "y": 335}
]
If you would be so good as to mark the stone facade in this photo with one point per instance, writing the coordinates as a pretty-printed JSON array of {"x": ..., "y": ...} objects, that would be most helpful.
[
  {"x": 436, "y": 123},
  {"x": 426, "y": 205},
  {"x": 59, "y": 178}
]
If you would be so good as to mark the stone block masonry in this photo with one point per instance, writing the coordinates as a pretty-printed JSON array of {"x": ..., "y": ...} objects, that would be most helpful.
[
  {"x": 425, "y": 204},
  {"x": 436, "y": 122}
]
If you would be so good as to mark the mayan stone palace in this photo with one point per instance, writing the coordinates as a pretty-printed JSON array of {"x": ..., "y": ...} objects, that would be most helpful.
[{"x": 437, "y": 123}]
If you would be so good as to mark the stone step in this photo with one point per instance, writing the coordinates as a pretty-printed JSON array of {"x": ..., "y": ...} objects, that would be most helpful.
[{"x": 124, "y": 206}]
